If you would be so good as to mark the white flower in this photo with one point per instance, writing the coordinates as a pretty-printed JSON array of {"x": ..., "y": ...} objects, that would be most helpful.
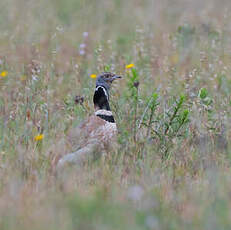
[
  {"x": 85, "y": 34},
  {"x": 81, "y": 52},
  {"x": 34, "y": 77},
  {"x": 59, "y": 28},
  {"x": 82, "y": 46}
]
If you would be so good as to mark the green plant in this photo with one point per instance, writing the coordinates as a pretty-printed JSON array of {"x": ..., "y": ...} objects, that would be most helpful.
[
  {"x": 133, "y": 88},
  {"x": 168, "y": 125}
]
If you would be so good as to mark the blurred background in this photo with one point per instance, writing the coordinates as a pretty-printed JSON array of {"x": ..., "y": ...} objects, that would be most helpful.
[{"x": 173, "y": 170}]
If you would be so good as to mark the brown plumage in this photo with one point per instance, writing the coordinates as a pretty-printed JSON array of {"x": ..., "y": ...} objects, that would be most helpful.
[{"x": 93, "y": 137}]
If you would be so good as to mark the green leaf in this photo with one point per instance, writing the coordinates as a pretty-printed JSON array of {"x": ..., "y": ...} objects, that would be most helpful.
[
  {"x": 107, "y": 68},
  {"x": 184, "y": 116},
  {"x": 203, "y": 93},
  {"x": 154, "y": 96},
  {"x": 182, "y": 99}
]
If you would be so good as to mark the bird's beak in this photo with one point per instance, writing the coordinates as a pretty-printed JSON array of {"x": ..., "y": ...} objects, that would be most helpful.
[{"x": 115, "y": 77}]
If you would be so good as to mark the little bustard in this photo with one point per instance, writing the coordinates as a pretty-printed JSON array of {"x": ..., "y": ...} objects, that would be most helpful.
[{"x": 94, "y": 135}]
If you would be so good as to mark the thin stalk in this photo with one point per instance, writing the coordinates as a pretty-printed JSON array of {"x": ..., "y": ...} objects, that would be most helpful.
[
  {"x": 135, "y": 116},
  {"x": 149, "y": 123},
  {"x": 174, "y": 114},
  {"x": 145, "y": 111}
]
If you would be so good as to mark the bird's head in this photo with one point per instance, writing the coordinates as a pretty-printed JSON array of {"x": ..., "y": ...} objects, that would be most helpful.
[
  {"x": 105, "y": 79},
  {"x": 103, "y": 84}
]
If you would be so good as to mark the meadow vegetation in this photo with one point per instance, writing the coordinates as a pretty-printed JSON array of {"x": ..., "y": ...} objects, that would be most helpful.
[{"x": 171, "y": 166}]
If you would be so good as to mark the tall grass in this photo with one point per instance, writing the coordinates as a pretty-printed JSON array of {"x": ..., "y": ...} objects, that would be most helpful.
[{"x": 171, "y": 166}]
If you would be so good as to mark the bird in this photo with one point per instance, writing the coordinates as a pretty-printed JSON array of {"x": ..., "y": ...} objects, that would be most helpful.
[{"x": 94, "y": 135}]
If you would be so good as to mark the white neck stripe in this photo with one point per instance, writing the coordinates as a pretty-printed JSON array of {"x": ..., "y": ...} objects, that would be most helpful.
[
  {"x": 103, "y": 112},
  {"x": 103, "y": 90}
]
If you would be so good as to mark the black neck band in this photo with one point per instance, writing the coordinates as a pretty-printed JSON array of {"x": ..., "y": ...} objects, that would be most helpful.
[{"x": 108, "y": 118}]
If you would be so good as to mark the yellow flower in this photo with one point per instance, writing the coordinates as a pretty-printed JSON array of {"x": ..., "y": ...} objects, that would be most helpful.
[
  {"x": 23, "y": 78},
  {"x": 130, "y": 66},
  {"x": 175, "y": 59},
  {"x": 39, "y": 137},
  {"x": 4, "y": 73},
  {"x": 93, "y": 76}
]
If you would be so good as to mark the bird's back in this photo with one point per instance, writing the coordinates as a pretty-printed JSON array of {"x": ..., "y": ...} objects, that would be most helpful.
[{"x": 91, "y": 130}]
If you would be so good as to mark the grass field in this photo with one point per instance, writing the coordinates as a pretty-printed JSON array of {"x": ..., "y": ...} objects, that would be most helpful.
[{"x": 171, "y": 166}]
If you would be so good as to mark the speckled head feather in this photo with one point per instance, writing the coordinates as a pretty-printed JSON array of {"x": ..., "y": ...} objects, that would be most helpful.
[{"x": 105, "y": 79}]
